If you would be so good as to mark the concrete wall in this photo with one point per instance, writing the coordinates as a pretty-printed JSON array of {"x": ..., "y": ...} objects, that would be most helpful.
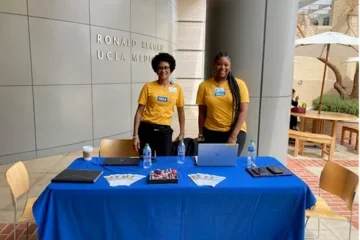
[
  {"x": 307, "y": 72},
  {"x": 191, "y": 42},
  {"x": 259, "y": 36},
  {"x": 71, "y": 71}
]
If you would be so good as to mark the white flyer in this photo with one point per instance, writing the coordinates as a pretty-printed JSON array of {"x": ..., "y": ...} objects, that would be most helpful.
[
  {"x": 123, "y": 179},
  {"x": 201, "y": 179}
]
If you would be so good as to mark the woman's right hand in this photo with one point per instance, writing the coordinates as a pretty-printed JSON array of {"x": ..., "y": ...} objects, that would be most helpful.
[
  {"x": 136, "y": 143},
  {"x": 199, "y": 139}
]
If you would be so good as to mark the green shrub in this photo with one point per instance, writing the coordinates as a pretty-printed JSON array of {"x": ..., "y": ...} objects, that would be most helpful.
[{"x": 338, "y": 104}]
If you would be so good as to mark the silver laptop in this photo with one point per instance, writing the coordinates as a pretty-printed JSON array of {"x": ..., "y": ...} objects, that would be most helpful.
[{"x": 216, "y": 154}]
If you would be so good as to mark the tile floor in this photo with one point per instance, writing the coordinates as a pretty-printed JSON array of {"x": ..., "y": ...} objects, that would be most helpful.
[{"x": 307, "y": 167}]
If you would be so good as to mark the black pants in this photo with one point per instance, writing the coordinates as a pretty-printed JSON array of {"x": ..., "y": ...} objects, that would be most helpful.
[
  {"x": 159, "y": 137},
  {"x": 222, "y": 137},
  {"x": 293, "y": 122},
  {"x": 293, "y": 126}
]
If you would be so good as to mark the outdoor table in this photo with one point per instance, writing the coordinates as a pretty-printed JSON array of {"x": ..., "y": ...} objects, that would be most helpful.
[{"x": 320, "y": 118}]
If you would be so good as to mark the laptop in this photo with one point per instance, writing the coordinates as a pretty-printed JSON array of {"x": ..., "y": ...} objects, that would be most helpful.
[
  {"x": 121, "y": 161},
  {"x": 216, "y": 155},
  {"x": 77, "y": 176}
]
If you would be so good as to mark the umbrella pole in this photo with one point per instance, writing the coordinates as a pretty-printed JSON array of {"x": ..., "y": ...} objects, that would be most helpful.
[{"x": 324, "y": 76}]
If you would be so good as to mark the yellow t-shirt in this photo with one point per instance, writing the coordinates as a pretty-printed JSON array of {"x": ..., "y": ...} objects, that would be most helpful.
[
  {"x": 219, "y": 102},
  {"x": 160, "y": 101}
]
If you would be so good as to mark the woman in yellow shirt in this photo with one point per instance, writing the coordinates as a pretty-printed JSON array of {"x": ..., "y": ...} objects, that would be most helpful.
[
  {"x": 156, "y": 106},
  {"x": 223, "y": 104}
]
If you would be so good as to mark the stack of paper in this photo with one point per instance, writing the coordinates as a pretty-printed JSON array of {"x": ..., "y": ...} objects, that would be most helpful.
[
  {"x": 206, "y": 179},
  {"x": 123, "y": 179}
]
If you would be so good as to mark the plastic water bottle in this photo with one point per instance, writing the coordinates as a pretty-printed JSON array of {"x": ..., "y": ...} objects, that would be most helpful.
[
  {"x": 251, "y": 159},
  {"x": 147, "y": 156},
  {"x": 181, "y": 152}
]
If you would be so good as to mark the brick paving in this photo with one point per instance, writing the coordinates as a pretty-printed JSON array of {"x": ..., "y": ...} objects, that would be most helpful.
[
  {"x": 7, "y": 232},
  {"x": 300, "y": 168}
]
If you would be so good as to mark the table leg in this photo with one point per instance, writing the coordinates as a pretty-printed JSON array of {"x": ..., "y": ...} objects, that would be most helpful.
[
  {"x": 318, "y": 126},
  {"x": 350, "y": 138},
  {"x": 314, "y": 125},
  {"x": 333, "y": 144},
  {"x": 302, "y": 124},
  {"x": 322, "y": 125},
  {"x": 302, "y": 129},
  {"x": 342, "y": 136}
]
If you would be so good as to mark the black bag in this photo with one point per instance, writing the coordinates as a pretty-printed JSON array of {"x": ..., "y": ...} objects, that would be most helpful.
[{"x": 191, "y": 146}]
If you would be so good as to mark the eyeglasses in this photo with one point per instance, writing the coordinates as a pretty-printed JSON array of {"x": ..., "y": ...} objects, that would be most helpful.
[{"x": 163, "y": 68}]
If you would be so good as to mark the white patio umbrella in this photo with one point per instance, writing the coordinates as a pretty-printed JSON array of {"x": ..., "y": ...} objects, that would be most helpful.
[
  {"x": 319, "y": 46},
  {"x": 355, "y": 59}
]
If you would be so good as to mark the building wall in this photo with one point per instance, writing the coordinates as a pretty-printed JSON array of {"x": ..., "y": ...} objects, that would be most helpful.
[
  {"x": 71, "y": 71},
  {"x": 262, "y": 55},
  {"x": 190, "y": 52},
  {"x": 308, "y": 71}
]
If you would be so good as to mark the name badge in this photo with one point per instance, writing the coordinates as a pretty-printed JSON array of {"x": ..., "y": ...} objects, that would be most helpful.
[
  {"x": 162, "y": 99},
  {"x": 173, "y": 89},
  {"x": 219, "y": 92}
]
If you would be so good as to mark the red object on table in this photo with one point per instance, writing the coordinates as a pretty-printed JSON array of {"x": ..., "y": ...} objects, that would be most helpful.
[{"x": 298, "y": 110}]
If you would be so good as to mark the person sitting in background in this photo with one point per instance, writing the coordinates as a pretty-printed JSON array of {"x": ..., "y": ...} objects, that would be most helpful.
[{"x": 294, "y": 103}]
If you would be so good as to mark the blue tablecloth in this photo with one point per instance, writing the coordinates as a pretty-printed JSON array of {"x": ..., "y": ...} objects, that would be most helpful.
[{"x": 240, "y": 207}]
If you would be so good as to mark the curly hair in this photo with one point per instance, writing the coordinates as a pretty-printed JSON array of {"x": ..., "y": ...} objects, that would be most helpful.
[{"x": 163, "y": 57}]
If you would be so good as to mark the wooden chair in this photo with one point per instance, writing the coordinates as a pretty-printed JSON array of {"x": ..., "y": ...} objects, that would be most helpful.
[
  {"x": 322, "y": 139},
  {"x": 117, "y": 148},
  {"x": 339, "y": 181},
  {"x": 17, "y": 178},
  {"x": 351, "y": 130}
]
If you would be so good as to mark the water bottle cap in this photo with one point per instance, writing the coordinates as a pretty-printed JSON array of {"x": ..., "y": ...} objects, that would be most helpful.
[
  {"x": 146, "y": 144},
  {"x": 182, "y": 140}
]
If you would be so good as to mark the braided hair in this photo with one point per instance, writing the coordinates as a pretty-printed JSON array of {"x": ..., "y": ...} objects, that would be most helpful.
[{"x": 235, "y": 91}]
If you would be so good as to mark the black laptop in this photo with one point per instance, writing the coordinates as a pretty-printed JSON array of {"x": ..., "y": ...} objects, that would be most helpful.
[
  {"x": 121, "y": 161},
  {"x": 77, "y": 176}
]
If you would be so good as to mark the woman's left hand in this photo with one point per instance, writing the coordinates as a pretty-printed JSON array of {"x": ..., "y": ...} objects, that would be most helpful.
[
  {"x": 231, "y": 140},
  {"x": 180, "y": 137}
]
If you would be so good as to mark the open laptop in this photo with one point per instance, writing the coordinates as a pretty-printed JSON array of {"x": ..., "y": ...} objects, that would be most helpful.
[
  {"x": 121, "y": 161},
  {"x": 216, "y": 154},
  {"x": 77, "y": 176}
]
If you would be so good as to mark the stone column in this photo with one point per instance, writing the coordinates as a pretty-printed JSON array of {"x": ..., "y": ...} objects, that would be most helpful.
[{"x": 259, "y": 36}]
